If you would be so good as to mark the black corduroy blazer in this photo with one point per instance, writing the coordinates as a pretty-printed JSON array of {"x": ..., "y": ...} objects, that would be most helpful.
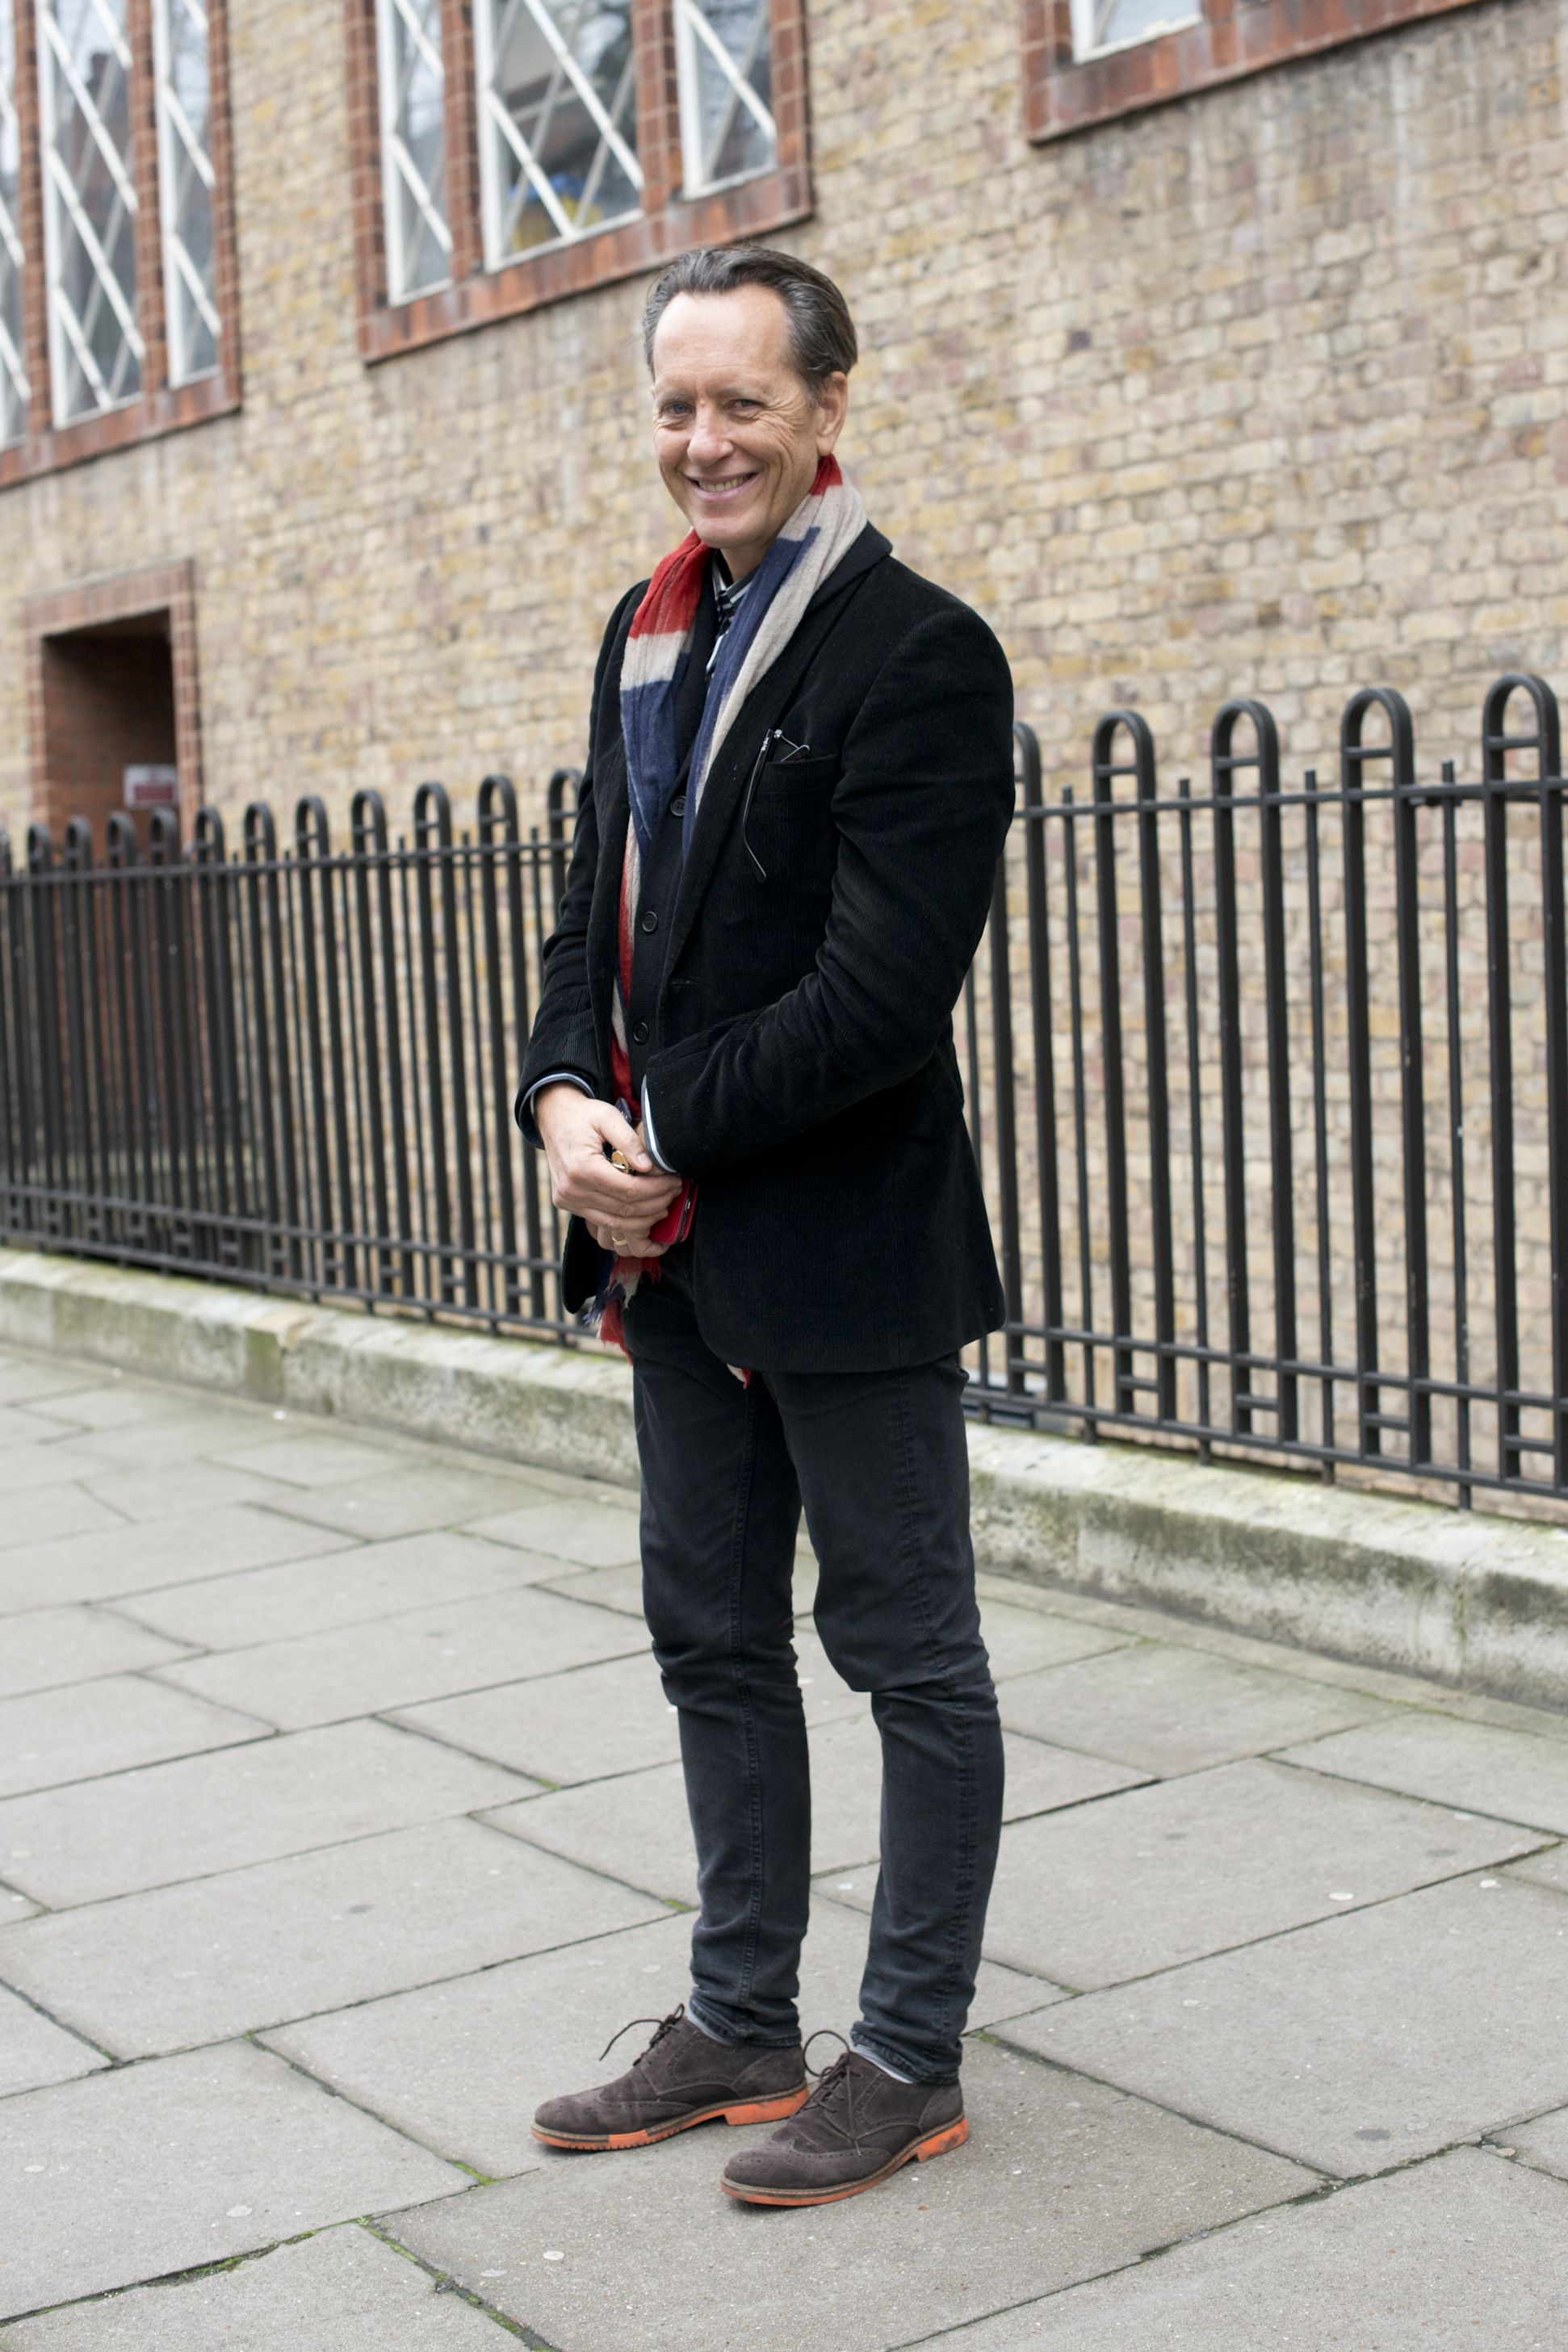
[{"x": 802, "y": 1066}]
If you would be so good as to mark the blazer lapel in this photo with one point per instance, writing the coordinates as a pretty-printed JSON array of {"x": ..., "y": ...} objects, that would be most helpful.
[{"x": 763, "y": 709}]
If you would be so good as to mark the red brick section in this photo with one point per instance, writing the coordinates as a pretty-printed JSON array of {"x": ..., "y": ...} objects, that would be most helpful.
[
  {"x": 161, "y": 408},
  {"x": 670, "y": 224},
  {"x": 95, "y": 699},
  {"x": 1235, "y": 37}
]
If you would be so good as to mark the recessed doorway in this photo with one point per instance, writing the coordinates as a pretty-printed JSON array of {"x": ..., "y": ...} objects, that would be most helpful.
[{"x": 114, "y": 717}]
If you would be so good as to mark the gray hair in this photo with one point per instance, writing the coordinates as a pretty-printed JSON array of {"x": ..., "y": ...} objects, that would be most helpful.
[{"x": 821, "y": 330}]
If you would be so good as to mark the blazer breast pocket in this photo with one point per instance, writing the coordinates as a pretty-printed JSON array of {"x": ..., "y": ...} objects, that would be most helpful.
[{"x": 787, "y": 825}]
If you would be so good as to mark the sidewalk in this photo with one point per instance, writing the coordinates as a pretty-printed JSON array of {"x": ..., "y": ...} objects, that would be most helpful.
[{"x": 340, "y": 1823}]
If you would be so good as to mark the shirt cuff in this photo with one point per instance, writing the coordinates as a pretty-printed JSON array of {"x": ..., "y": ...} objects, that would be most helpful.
[
  {"x": 555, "y": 1078},
  {"x": 650, "y": 1141}
]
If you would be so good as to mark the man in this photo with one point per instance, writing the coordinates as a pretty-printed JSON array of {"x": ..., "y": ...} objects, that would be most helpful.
[{"x": 742, "y": 1074}]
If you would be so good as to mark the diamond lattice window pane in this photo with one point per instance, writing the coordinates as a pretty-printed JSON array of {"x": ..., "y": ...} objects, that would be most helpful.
[
  {"x": 557, "y": 101},
  {"x": 186, "y": 187},
  {"x": 95, "y": 347},
  {"x": 413, "y": 147},
  {"x": 726, "y": 125},
  {"x": 13, "y": 376},
  {"x": 1117, "y": 24}
]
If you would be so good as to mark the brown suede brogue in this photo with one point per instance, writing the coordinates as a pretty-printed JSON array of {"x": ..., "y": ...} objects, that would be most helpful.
[
  {"x": 857, "y": 2126},
  {"x": 683, "y": 2077}
]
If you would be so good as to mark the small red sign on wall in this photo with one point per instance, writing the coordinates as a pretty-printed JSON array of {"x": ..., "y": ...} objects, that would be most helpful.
[{"x": 151, "y": 787}]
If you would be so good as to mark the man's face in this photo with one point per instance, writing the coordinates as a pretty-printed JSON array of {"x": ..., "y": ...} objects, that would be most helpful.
[{"x": 739, "y": 436}]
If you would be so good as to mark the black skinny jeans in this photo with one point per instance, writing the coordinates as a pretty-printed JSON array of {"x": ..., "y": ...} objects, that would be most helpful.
[{"x": 878, "y": 1460}]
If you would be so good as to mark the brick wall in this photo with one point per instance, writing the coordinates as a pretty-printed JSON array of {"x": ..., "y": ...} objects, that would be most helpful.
[{"x": 1266, "y": 389}]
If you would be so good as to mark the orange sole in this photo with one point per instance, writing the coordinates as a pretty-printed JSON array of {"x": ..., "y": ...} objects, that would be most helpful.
[
  {"x": 755, "y": 2111},
  {"x": 937, "y": 2144}
]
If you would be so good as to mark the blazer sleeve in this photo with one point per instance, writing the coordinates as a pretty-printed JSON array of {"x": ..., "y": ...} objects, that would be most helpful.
[
  {"x": 922, "y": 806},
  {"x": 563, "y": 1039}
]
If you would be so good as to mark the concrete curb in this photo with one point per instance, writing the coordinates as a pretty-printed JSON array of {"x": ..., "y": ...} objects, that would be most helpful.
[{"x": 1468, "y": 1599}]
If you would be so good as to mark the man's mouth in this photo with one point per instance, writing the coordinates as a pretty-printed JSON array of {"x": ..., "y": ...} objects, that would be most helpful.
[{"x": 724, "y": 488}]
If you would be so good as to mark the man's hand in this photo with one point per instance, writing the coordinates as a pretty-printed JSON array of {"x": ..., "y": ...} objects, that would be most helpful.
[{"x": 578, "y": 1133}]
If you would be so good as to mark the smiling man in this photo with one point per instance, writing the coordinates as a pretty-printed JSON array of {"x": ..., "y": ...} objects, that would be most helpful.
[{"x": 744, "y": 1076}]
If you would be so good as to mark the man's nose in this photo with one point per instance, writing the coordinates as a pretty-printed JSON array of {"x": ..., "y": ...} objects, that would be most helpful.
[{"x": 708, "y": 441}]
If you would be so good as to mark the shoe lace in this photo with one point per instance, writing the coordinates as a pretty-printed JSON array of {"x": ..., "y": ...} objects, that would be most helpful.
[
  {"x": 662, "y": 2026},
  {"x": 834, "y": 2087}
]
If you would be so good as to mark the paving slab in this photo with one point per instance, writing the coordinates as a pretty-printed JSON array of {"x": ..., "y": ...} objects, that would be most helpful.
[
  {"x": 423, "y": 1655},
  {"x": 1477, "y": 1766},
  {"x": 1465, "y": 2249},
  {"x": 607, "y": 1588},
  {"x": 349, "y": 1587},
  {"x": 38, "y": 1514},
  {"x": 1355, "y": 2044},
  {"x": 23, "y": 1379},
  {"x": 182, "y": 1428},
  {"x": 221, "y": 1956},
  {"x": 462, "y": 2065},
  {"x": 1165, "y": 1708},
  {"x": 14, "y": 1906},
  {"x": 393, "y": 1502},
  {"x": 106, "y": 1564},
  {"x": 50, "y": 1738},
  {"x": 146, "y": 1415},
  {"x": 205, "y": 1813},
  {"x": 1542, "y": 2143},
  {"x": 302, "y": 1456},
  {"x": 634, "y": 1827},
  {"x": 1214, "y": 1859},
  {"x": 147, "y": 2170},
  {"x": 847, "y": 1786},
  {"x": 580, "y": 1726},
  {"x": 1020, "y": 1640},
  {"x": 165, "y": 1490},
  {"x": 1059, "y": 2180},
  {"x": 34, "y": 2050},
  {"x": 591, "y": 1534},
  {"x": 46, "y": 1648},
  {"x": 340, "y": 2291},
  {"x": 42, "y": 1458},
  {"x": 1548, "y": 1868}
]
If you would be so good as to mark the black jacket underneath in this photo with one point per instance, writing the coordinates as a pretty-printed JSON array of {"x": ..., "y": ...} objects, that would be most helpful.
[{"x": 799, "y": 1058}]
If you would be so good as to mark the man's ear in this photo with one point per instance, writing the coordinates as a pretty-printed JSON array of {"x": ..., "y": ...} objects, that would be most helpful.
[{"x": 832, "y": 406}]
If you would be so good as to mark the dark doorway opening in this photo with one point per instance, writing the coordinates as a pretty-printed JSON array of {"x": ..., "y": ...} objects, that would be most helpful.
[{"x": 109, "y": 723}]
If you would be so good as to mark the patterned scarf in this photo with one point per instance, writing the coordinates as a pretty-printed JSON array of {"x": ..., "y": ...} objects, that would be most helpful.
[{"x": 818, "y": 536}]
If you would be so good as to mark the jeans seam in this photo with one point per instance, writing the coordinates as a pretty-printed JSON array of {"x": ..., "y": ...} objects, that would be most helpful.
[
  {"x": 963, "y": 1730},
  {"x": 747, "y": 1977}
]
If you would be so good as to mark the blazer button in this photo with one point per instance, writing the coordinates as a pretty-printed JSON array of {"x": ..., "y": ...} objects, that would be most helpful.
[
  {"x": 677, "y": 805},
  {"x": 640, "y": 1035},
  {"x": 650, "y": 921}
]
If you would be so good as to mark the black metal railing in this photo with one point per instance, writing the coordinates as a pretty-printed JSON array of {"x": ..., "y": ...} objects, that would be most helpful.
[{"x": 1268, "y": 1086}]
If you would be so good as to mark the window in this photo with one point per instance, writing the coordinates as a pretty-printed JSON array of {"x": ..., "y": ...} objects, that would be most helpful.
[
  {"x": 529, "y": 149},
  {"x": 557, "y": 124},
  {"x": 185, "y": 179},
  {"x": 1101, "y": 25},
  {"x": 96, "y": 347},
  {"x": 1088, "y": 61},
  {"x": 726, "y": 130},
  {"x": 116, "y": 249},
  {"x": 413, "y": 86},
  {"x": 14, "y": 388}
]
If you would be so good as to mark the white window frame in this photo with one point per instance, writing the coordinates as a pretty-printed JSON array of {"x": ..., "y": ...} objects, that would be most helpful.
[
  {"x": 65, "y": 329},
  {"x": 694, "y": 34},
  {"x": 11, "y": 362},
  {"x": 494, "y": 118},
  {"x": 1088, "y": 16},
  {"x": 184, "y": 289},
  {"x": 399, "y": 169}
]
